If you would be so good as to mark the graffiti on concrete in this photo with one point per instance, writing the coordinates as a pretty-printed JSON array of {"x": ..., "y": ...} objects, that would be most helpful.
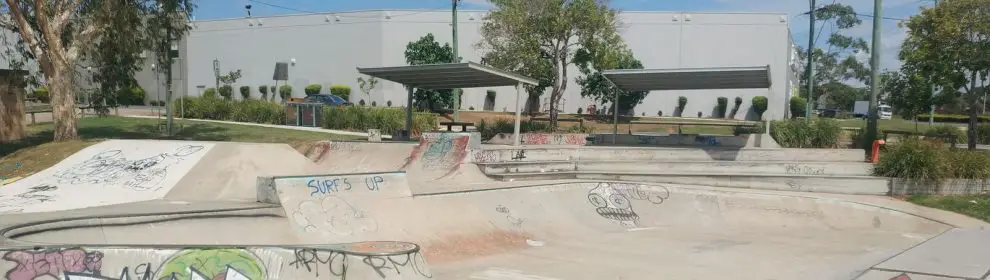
[
  {"x": 803, "y": 169},
  {"x": 333, "y": 185},
  {"x": 320, "y": 151},
  {"x": 485, "y": 156},
  {"x": 903, "y": 276},
  {"x": 34, "y": 195},
  {"x": 384, "y": 260},
  {"x": 55, "y": 263},
  {"x": 614, "y": 200},
  {"x": 514, "y": 221},
  {"x": 335, "y": 215},
  {"x": 440, "y": 151},
  {"x": 110, "y": 167},
  {"x": 519, "y": 155},
  {"x": 707, "y": 140},
  {"x": 554, "y": 139}
]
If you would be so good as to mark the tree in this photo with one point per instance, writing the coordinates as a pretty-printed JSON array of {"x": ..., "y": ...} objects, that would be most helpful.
[
  {"x": 427, "y": 50},
  {"x": 595, "y": 86},
  {"x": 539, "y": 39},
  {"x": 909, "y": 93},
  {"x": 367, "y": 85},
  {"x": 837, "y": 63},
  {"x": 58, "y": 35},
  {"x": 948, "y": 43}
]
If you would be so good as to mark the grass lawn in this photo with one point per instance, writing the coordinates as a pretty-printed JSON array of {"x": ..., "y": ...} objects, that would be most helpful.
[
  {"x": 37, "y": 151},
  {"x": 976, "y": 206}
]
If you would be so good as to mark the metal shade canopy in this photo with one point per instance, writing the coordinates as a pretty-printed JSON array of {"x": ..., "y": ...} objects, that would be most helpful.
[
  {"x": 451, "y": 76},
  {"x": 447, "y": 76},
  {"x": 690, "y": 78}
]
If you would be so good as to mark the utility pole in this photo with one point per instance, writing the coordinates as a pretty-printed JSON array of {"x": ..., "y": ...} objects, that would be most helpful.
[
  {"x": 453, "y": 25},
  {"x": 168, "y": 80},
  {"x": 871, "y": 123},
  {"x": 811, "y": 62}
]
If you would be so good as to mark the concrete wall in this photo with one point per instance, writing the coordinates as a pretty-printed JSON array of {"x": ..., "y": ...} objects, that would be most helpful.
[{"x": 327, "y": 51}]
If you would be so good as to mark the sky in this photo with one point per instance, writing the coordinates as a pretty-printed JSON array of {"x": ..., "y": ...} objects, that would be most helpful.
[{"x": 891, "y": 34}]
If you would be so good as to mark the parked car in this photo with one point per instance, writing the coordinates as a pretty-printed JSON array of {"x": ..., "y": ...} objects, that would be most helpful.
[{"x": 327, "y": 99}]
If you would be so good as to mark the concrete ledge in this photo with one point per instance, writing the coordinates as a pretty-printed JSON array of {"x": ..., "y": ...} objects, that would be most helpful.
[
  {"x": 675, "y": 167},
  {"x": 944, "y": 187},
  {"x": 799, "y": 183},
  {"x": 543, "y": 153}
]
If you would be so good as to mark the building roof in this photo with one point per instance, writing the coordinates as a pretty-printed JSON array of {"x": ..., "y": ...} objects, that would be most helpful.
[
  {"x": 447, "y": 76},
  {"x": 690, "y": 78}
]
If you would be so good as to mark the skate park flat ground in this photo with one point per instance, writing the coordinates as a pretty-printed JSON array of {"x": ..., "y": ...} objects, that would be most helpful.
[{"x": 272, "y": 200}]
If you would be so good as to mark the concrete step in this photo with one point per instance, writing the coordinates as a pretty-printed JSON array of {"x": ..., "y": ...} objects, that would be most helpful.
[
  {"x": 799, "y": 183},
  {"x": 560, "y": 153},
  {"x": 677, "y": 167}
]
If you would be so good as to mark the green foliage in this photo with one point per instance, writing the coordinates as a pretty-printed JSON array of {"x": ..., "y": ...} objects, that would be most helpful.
[
  {"x": 760, "y": 104},
  {"x": 226, "y": 91},
  {"x": 342, "y": 91},
  {"x": 947, "y": 130},
  {"x": 931, "y": 161},
  {"x": 681, "y": 104},
  {"x": 131, "y": 96},
  {"x": 245, "y": 92},
  {"x": 909, "y": 93},
  {"x": 540, "y": 39},
  {"x": 722, "y": 103},
  {"x": 284, "y": 92},
  {"x": 263, "y": 90},
  {"x": 983, "y": 134},
  {"x": 947, "y": 46},
  {"x": 231, "y": 77},
  {"x": 816, "y": 133},
  {"x": 735, "y": 107},
  {"x": 427, "y": 50},
  {"x": 951, "y": 118},
  {"x": 313, "y": 89},
  {"x": 596, "y": 87},
  {"x": 489, "y": 128},
  {"x": 798, "y": 106},
  {"x": 210, "y": 93},
  {"x": 388, "y": 120},
  {"x": 41, "y": 94},
  {"x": 367, "y": 85}
]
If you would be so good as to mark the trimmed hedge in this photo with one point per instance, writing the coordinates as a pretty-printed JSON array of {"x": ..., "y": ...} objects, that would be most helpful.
[
  {"x": 489, "y": 128},
  {"x": 352, "y": 118},
  {"x": 923, "y": 160},
  {"x": 817, "y": 133},
  {"x": 952, "y": 118}
]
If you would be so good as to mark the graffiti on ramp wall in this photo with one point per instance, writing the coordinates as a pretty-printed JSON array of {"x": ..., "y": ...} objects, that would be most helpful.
[
  {"x": 614, "y": 201},
  {"x": 440, "y": 151}
]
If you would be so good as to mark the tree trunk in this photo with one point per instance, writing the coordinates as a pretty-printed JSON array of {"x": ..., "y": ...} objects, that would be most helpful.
[
  {"x": 11, "y": 108},
  {"x": 63, "y": 103}
]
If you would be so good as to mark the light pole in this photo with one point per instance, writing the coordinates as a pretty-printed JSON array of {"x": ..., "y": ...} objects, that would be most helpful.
[
  {"x": 158, "y": 90},
  {"x": 453, "y": 25},
  {"x": 871, "y": 124},
  {"x": 811, "y": 61}
]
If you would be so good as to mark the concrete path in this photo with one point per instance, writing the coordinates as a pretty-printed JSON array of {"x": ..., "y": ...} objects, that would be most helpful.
[{"x": 139, "y": 204}]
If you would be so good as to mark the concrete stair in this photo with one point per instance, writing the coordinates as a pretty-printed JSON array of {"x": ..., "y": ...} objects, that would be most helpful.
[{"x": 803, "y": 170}]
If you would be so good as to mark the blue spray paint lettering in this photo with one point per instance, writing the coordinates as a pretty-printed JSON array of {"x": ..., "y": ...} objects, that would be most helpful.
[
  {"x": 8, "y": 168},
  {"x": 373, "y": 183},
  {"x": 327, "y": 186}
]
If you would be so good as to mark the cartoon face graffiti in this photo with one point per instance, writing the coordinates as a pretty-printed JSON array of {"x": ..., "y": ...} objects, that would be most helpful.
[{"x": 612, "y": 204}]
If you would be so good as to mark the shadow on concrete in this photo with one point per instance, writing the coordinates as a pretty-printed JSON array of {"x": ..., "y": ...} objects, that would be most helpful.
[{"x": 201, "y": 132}]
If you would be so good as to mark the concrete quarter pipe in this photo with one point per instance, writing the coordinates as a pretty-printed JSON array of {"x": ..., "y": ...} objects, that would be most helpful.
[{"x": 426, "y": 211}]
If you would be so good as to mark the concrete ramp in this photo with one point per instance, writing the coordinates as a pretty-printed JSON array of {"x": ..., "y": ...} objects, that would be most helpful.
[{"x": 110, "y": 172}]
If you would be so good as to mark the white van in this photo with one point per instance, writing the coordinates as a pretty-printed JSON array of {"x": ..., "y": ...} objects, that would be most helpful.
[{"x": 885, "y": 112}]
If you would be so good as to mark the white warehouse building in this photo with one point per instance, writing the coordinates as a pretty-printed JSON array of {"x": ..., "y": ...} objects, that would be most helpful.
[{"x": 327, "y": 48}]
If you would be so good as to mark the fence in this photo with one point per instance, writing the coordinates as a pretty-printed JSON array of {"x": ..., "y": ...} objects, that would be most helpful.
[{"x": 304, "y": 114}]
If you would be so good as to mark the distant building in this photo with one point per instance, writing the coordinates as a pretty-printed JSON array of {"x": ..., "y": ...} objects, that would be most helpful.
[{"x": 326, "y": 48}]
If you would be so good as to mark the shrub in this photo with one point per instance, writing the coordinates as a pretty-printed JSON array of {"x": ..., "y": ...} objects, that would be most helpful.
[
  {"x": 947, "y": 130},
  {"x": 313, "y": 89},
  {"x": 471, "y": 108},
  {"x": 343, "y": 91},
  {"x": 131, "y": 96},
  {"x": 264, "y": 92},
  {"x": 210, "y": 93},
  {"x": 388, "y": 103},
  {"x": 735, "y": 107},
  {"x": 42, "y": 95},
  {"x": 226, "y": 91},
  {"x": 799, "y": 107},
  {"x": 983, "y": 134},
  {"x": 659, "y": 113},
  {"x": 245, "y": 92},
  {"x": 759, "y": 105},
  {"x": 722, "y": 104},
  {"x": 580, "y": 110},
  {"x": 699, "y": 114},
  {"x": 952, "y": 118},
  {"x": 361, "y": 102},
  {"x": 929, "y": 161},
  {"x": 489, "y": 128},
  {"x": 681, "y": 103},
  {"x": 284, "y": 92},
  {"x": 388, "y": 120},
  {"x": 816, "y": 133},
  {"x": 375, "y": 104},
  {"x": 253, "y": 111}
]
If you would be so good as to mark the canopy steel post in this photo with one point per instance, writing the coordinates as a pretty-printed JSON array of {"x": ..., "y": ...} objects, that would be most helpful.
[
  {"x": 409, "y": 113},
  {"x": 615, "y": 117},
  {"x": 515, "y": 130}
]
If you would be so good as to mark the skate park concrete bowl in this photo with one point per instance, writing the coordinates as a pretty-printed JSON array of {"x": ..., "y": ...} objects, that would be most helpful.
[{"x": 416, "y": 215}]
